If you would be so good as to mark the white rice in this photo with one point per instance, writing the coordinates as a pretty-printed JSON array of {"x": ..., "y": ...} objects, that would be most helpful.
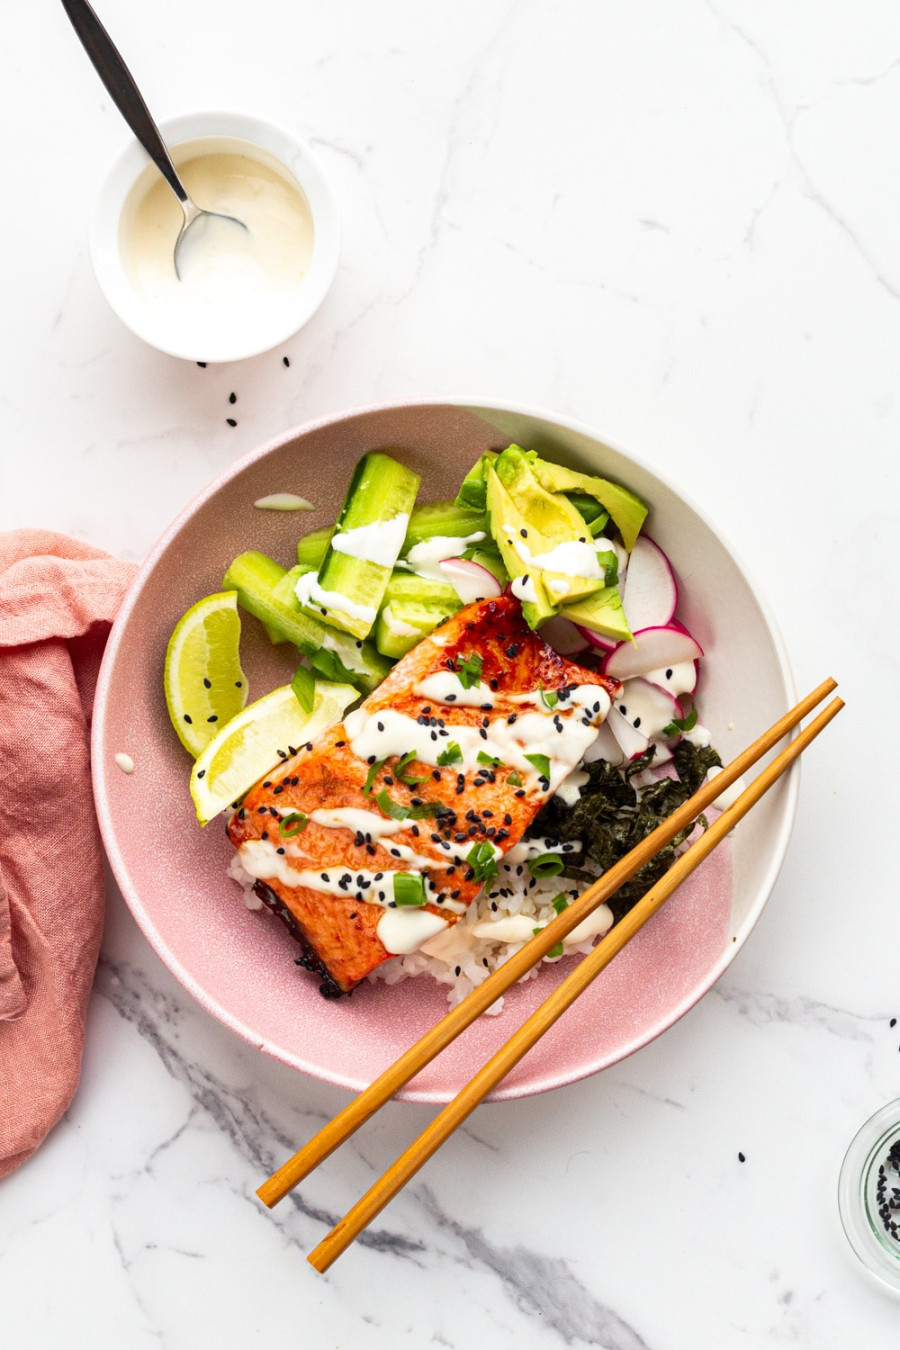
[{"x": 515, "y": 905}]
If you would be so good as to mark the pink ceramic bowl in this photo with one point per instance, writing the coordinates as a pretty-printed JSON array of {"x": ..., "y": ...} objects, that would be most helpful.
[{"x": 240, "y": 964}]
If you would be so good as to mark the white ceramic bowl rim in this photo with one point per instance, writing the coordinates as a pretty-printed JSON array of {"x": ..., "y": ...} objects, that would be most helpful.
[
  {"x": 777, "y": 840},
  {"x": 296, "y": 157}
]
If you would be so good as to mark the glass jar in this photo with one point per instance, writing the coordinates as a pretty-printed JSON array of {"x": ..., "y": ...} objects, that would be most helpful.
[{"x": 869, "y": 1195}]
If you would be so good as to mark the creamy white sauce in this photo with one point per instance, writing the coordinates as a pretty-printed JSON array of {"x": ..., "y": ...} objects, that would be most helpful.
[
  {"x": 379, "y": 542},
  {"x": 230, "y": 277},
  {"x": 424, "y": 558},
  {"x": 534, "y": 848},
  {"x": 570, "y": 789},
  {"x": 445, "y": 687},
  {"x": 311, "y": 594},
  {"x": 283, "y": 501},
  {"x": 520, "y": 927},
  {"x": 698, "y": 735},
  {"x": 524, "y": 589},
  {"x": 572, "y": 558},
  {"x": 562, "y": 733},
  {"x": 404, "y": 930},
  {"x": 125, "y": 762}
]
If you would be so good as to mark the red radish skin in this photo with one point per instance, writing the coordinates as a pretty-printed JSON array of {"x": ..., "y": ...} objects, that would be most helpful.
[
  {"x": 604, "y": 644},
  {"x": 678, "y": 679},
  {"x": 632, "y": 742},
  {"x": 470, "y": 580},
  {"x": 651, "y": 649},
  {"x": 650, "y": 592}
]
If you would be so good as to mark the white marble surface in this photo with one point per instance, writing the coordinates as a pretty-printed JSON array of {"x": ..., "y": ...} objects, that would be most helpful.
[{"x": 677, "y": 221}]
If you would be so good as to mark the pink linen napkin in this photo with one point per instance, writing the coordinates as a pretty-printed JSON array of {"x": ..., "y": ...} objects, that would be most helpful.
[{"x": 57, "y": 599}]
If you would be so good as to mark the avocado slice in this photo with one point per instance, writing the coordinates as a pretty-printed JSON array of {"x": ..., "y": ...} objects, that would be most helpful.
[
  {"x": 603, "y": 613},
  {"x": 473, "y": 488},
  {"x": 526, "y": 583},
  {"x": 628, "y": 511},
  {"x": 554, "y": 541}
]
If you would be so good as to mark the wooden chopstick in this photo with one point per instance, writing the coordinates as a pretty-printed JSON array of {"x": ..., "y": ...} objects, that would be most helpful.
[
  {"x": 456, "y": 1111},
  {"x": 358, "y": 1111}
]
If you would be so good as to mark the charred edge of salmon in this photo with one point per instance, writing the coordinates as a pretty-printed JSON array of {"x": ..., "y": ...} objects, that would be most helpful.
[{"x": 329, "y": 988}]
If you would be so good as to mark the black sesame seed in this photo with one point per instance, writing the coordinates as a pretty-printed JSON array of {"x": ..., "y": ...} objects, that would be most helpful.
[
  {"x": 231, "y": 422},
  {"x": 187, "y": 718},
  {"x": 741, "y": 1157},
  {"x": 285, "y": 361},
  {"x": 202, "y": 774},
  {"x": 281, "y": 850},
  {"x": 202, "y": 365},
  {"x": 232, "y": 398}
]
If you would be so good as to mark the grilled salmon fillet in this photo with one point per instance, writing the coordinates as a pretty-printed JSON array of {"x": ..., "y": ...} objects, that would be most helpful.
[{"x": 380, "y": 833}]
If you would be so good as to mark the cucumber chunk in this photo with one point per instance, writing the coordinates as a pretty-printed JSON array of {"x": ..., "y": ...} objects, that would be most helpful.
[
  {"x": 413, "y": 607},
  {"x": 255, "y": 576},
  {"x": 350, "y": 584},
  {"x": 311, "y": 549},
  {"x": 443, "y": 520}
]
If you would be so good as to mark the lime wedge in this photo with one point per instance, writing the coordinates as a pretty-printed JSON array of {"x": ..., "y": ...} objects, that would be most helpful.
[
  {"x": 257, "y": 739},
  {"x": 203, "y": 680}
]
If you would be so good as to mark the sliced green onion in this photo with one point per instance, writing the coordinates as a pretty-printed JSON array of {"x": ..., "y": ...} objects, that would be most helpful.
[
  {"x": 542, "y": 764},
  {"x": 399, "y": 771},
  {"x": 372, "y": 775},
  {"x": 468, "y": 670},
  {"x": 484, "y": 758},
  {"x": 290, "y": 825},
  {"x": 330, "y": 665},
  {"x": 514, "y": 779},
  {"x": 679, "y": 724},
  {"x": 546, "y": 865},
  {"x": 481, "y": 858},
  {"x": 304, "y": 687},
  {"x": 426, "y": 809},
  {"x": 559, "y": 903},
  {"x": 390, "y": 807},
  {"x": 549, "y": 697},
  {"x": 409, "y": 890},
  {"x": 553, "y": 951},
  {"x": 452, "y": 755}
]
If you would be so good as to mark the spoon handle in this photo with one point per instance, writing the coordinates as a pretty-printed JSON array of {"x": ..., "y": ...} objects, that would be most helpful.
[{"x": 127, "y": 97}]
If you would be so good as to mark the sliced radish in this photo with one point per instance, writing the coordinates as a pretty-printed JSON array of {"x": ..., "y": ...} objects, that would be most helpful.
[
  {"x": 678, "y": 679},
  {"x": 651, "y": 649},
  {"x": 605, "y": 747},
  {"x": 647, "y": 707},
  {"x": 470, "y": 580},
  {"x": 605, "y": 644},
  {"x": 650, "y": 593},
  {"x": 563, "y": 636},
  {"x": 631, "y": 741}
]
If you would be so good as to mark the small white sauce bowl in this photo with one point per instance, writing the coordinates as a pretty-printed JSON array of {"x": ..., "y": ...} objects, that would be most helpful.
[{"x": 163, "y": 328}]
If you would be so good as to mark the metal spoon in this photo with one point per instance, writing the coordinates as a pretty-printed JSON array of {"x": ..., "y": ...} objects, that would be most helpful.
[{"x": 127, "y": 97}]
